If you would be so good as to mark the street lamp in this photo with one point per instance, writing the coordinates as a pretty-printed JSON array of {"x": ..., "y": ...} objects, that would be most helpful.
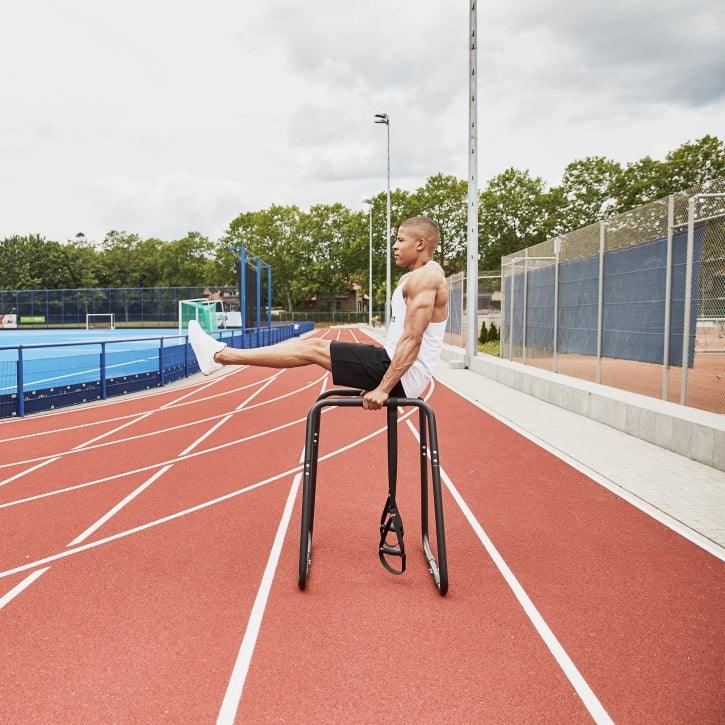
[
  {"x": 383, "y": 118},
  {"x": 369, "y": 202}
]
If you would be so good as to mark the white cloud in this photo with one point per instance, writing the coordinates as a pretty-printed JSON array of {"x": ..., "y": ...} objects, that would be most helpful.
[{"x": 166, "y": 116}]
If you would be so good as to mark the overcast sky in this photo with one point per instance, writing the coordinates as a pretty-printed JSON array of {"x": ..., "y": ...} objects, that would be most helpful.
[{"x": 160, "y": 117}]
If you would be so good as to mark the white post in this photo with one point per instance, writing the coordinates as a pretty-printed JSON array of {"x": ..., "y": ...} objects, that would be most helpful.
[
  {"x": 600, "y": 303},
  {"x": 688, "y": 298},
  {"x": 472, "y": 245},
  {"x": 668, "y": 299},
  {"x": 511, "y": 313},
  {"x": 388, "y": 242},
  {"x": 557, "y": 250},
  {"x": 370, "y": 271},
  {"x": 524, "y": 320}
]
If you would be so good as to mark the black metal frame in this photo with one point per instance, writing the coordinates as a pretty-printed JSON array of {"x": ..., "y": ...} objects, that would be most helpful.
[{"x": 390, "y": 522}]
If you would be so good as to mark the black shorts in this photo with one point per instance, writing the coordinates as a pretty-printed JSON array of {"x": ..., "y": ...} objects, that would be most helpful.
[{"x": 361, "y": 366}]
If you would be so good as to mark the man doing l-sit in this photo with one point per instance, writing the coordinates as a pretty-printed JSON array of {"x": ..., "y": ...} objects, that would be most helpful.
[{"x": 401, "y": 369}]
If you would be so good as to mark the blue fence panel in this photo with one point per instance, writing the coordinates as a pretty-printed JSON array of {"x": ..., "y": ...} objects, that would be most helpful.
[{"x": 43, "y": 377}]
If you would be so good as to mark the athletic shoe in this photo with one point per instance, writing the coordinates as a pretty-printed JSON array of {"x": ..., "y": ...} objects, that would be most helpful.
[{"x": 204, "y": 347}]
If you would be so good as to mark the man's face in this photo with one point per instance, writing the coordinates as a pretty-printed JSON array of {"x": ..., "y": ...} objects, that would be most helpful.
[{"x": 408, "y": 246}]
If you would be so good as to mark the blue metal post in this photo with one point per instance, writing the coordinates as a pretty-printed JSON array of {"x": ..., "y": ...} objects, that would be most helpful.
[
  {"x": 243, "y": 284},
  {"x": 269, "y": 301},
  {"x": 259, "y": 298},
  {"x": 20, "y": 386},
  {"x": 104, "y": 390},
  {"x": 161, "y": 361}
]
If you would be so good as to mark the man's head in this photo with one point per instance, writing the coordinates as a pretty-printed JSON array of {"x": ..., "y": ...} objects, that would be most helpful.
[{"x": 417, "y": 240}]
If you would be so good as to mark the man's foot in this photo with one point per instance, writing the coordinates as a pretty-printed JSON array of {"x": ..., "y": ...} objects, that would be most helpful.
[{"x": 204, "y": 347}]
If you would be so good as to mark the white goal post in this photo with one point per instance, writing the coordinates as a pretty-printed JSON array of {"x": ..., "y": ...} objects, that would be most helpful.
[
  {"x": 100, "y": 320},
  {"x": 203, "y": 310}
]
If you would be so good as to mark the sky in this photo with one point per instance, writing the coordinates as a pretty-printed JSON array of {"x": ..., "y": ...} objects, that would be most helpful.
[{"x": 161, "y": 117}]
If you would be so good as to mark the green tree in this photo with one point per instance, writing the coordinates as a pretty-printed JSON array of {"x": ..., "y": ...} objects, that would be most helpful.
[
  {"x": 444, "y": 199},
  {"x": 183, "y": 262},
  {"x": 515, "y": 211},
  {"x": 585, "y": 189}
]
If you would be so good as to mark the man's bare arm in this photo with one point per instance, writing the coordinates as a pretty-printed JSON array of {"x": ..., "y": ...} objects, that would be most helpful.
[{"x": 419, "y": 312}]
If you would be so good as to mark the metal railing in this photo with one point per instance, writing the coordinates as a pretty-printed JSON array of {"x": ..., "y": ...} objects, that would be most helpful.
[
  {"x": 635, "y": 301},
  {"x": 31, "y": 382}
]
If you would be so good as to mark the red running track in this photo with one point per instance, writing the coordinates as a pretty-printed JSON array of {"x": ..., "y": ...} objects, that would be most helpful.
[{"x": 148, "y": 569}]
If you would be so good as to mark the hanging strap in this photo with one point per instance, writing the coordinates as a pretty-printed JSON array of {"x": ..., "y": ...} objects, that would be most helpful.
[{"x": 390, "y": 520}]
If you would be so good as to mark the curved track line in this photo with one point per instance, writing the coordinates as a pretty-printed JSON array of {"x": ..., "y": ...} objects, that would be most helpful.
[
  {"x": 664, "y": 518},
  {"x": 570, "y": 670},
  {"x": 198, "y": 507},
  {"x": 165, "y": 406},
  {"x": 160, "y": 430},
  {"x": 116, "y": 400}
]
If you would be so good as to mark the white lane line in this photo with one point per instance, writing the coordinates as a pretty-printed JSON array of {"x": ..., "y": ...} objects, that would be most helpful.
[
  {"x": 160, "y": 430},
  {"x": 123, "y": 502},
  {"x": 114, "y": 401},
  {"x": 586, "y": 694},
  {"x": 233, "y": 694},
  {"x": 192, "y": 509},
  {"x": 166, "y": 406},
  {"x": 354, "y": 336},
  {"x": 131, "y": 496},
  {"x": 20, "y": 587},
  {"x": 665, "y": 519},
  {"x": 28, "y": 470}
]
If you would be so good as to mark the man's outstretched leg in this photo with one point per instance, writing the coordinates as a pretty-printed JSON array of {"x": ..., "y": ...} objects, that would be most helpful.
[{"x": 213, "y": 355}]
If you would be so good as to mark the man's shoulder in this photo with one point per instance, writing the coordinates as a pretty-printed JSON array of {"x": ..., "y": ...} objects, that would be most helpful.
[{"x": 429, "y": 275}]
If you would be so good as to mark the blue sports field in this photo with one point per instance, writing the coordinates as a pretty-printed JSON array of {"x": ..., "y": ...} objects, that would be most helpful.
[{"x": 67, "y": 357}]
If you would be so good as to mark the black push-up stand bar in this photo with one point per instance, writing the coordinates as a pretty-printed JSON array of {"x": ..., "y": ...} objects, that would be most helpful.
[{"x": 391, "y": 525}]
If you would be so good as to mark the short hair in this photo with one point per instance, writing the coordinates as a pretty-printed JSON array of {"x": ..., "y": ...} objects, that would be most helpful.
[{"x": 429, "y": 228}]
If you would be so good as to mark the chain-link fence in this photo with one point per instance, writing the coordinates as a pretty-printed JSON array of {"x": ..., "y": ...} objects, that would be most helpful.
[
  {"x": 489, "y": 305},
  {"x": 636, "y": 301},
  {"x": 132, "y": 306}
]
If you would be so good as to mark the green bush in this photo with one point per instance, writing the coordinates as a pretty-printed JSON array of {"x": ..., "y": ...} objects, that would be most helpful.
[
  {"x": 494, "y": 334},
  {"x": 484, "y": 335}
]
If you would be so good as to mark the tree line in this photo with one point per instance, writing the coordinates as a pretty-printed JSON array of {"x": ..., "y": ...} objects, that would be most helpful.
[{"x": 321, "y": 251}]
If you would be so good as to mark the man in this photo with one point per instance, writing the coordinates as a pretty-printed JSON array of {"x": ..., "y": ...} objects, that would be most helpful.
[{"x": 402, "y": 369}]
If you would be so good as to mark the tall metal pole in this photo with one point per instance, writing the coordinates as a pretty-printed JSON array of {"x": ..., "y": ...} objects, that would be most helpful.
[
  {"x": 600, "y": 300},
  {"x": 668, "y": 299},
  {"x": 472, "y": 245},
  {"x": 384, "y": 118},
  {"x": 688, "y": 298},
  {"x": 387, "y": 242},
  {"x": 370, "y": 264}
]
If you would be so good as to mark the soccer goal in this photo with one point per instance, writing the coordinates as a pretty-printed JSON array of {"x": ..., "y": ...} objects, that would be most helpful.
[
  {"x": 208, "y": 313},
  {"x": 100, "y": 321}
]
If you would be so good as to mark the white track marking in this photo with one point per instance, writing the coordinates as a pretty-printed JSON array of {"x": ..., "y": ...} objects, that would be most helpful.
[
  {"x": 119, "y": 400},
  {"x": 132, "y": 416},
  {"x": 113, "y": 401},
  {"x": 160, "y": 430},
  {"x": 152, "y": 466},
  {"x": 233, "y": 694},
  {"x": 192, "y": 509},
  {"x": 354, "y": 336},
  {"x": 687, "y": 533},
  {"x": 586, "y": 694},
  {"x": 28, "y": 470},
  {"x": 131, "y": 496},
  {"x": 121, "y": 504},
  {"x": 18, "y": 588}
]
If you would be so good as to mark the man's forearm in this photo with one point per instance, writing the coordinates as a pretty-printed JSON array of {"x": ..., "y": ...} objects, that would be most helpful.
[{"x": 406, "y": 351}]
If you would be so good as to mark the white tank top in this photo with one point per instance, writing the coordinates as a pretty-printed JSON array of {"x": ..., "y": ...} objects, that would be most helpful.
[{"x": 421, "y": 371}]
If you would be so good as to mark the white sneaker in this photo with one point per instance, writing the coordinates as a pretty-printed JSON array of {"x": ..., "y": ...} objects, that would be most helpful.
[{"x": 204, "y": 347}]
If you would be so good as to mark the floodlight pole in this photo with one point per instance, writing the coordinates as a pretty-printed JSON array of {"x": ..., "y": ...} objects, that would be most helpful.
[
  {"x": 369, "y": 202},
  {"x": 385, "y": 119},
  {"x": 472, "y": 245}
]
